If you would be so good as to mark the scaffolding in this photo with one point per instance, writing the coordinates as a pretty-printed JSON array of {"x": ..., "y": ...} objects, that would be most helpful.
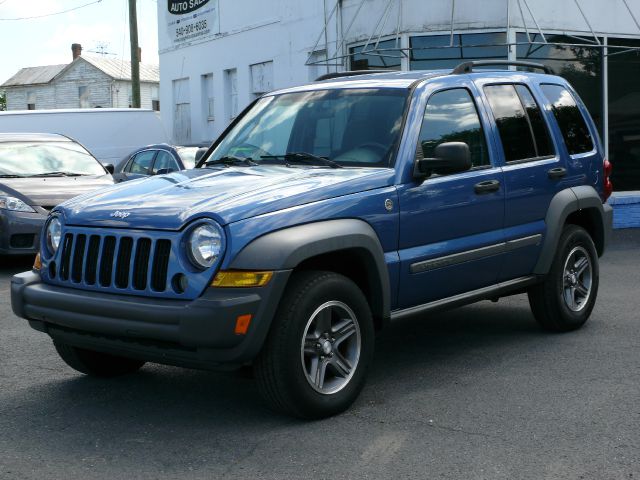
[{"x": 338, "y": 55}]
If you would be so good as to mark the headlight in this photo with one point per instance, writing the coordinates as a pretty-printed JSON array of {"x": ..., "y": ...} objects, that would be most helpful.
[
  {"x": 204, "y": 245},
  {"x": 54, "y": 234},
  {"x": 14, "y": 204}
]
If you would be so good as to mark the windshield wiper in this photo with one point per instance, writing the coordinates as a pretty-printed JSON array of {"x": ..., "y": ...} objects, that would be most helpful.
[
  {"x": 305, "y": 157},
  {"x": 58, "y": 174},
  {"x": 231, "y": 160},
  {"x": 10, "y": 175}
]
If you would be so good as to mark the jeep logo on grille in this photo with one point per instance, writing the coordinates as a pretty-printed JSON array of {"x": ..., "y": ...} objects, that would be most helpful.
[{"x": 119, "y": 214}]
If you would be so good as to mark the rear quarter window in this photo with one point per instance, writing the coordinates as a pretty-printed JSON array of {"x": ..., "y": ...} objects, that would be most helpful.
[{"x": 572, "y": 124}]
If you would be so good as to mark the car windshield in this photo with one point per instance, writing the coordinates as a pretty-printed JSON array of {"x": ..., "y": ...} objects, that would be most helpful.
[
  {"x": 27, "y": 159},
  {"x": 336, "y": 127},
  {"x": 188, "y": 156}
]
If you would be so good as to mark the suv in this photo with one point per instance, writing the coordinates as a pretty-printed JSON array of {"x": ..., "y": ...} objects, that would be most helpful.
[{"x": 322, "y": 213}]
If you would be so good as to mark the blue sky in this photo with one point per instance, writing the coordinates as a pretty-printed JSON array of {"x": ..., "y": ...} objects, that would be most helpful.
[{"x": 47, "y": 41}]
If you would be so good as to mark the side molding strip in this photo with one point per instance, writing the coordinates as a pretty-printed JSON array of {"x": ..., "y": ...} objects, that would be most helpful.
[
  {"x": 485, "y": 293},
  {"x": 474, "y": 254}
]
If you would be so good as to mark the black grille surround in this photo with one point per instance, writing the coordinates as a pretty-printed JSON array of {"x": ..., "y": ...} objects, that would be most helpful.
[{"x": 133, "y": 262}]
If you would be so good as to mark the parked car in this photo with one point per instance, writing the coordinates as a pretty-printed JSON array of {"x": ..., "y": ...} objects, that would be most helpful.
[
  {"x": 160, "y": 158},
  {"x": 323, "y": 213},
  {"x": 38, "y": 171},
  {"x": 108, "y": 133}
]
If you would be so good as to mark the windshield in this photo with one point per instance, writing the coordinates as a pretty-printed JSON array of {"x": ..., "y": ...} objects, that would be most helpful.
[
  {"x": 25, "y": 159},
  {"x": 188, "y": 156},
  {"x": 351, "y": 127}
]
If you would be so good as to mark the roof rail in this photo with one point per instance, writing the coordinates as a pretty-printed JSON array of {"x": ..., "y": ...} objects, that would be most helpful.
[
  {"x": 348, "y": 73},
  {"x": 467, "y": 67}
]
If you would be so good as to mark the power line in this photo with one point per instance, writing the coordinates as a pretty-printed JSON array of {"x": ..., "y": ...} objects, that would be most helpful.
[{"x": 50, "y": 14}]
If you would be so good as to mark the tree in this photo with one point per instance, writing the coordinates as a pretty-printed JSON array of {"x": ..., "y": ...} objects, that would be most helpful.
[{"x": 3, "y": 101}]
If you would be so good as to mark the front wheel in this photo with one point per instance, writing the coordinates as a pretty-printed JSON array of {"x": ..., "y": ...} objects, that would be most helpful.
[
  {"x": 565, "y": 299},
  {"x": 316, "y": 356}
]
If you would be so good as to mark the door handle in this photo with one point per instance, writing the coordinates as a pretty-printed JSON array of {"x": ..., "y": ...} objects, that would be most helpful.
[
  {"x": 557, "y": 172},
  {"x": 487, "y": 186}
]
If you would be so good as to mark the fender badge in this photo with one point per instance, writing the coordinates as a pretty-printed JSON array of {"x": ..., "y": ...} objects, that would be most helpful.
[
  {"x": 119, "y": 214},
  {"x": 388, "y": 204}
]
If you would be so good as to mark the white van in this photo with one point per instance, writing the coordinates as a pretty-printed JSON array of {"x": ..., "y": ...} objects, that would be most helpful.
[{"x": 108, "y": 133}]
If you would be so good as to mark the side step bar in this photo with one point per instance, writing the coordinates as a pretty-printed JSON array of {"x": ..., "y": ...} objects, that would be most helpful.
[{"x": 485, "y": 293}]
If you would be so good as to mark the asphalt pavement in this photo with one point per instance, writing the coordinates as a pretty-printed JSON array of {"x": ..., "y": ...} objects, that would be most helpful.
[{"x": 475, "y": 393}]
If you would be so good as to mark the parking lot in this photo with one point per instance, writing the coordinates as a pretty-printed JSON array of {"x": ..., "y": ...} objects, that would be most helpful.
[{"x": 479, "y": 392}]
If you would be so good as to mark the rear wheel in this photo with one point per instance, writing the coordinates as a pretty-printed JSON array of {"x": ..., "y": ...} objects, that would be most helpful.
[
  {"x": 565, "y": 299},
  {"x": 315, "y": 359},
  {"x": 96, "y": 364}
]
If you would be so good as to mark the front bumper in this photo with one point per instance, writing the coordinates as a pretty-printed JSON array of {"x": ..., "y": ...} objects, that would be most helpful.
[
  {"x": 20, "y": 232},
  {"x": 196, "y": 334}
]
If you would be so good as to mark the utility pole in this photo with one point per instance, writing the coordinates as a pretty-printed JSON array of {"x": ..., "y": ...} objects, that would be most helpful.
[{"x": 135, "y": 59}]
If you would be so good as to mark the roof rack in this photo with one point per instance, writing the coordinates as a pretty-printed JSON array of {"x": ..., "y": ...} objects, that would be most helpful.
[
  {"x": 348, "y": 73},
  {"x": 467, "y": 67}
]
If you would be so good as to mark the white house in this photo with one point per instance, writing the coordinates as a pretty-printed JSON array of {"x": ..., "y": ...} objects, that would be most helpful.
[
  {"x": 218, "y": 55},
  {"x": 86, "y": 82}
]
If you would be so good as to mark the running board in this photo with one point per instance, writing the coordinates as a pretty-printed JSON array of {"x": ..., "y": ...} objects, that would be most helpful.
[{"x": 485, "y": 293}]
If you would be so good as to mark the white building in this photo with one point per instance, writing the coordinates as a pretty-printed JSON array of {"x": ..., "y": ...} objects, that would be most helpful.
[
  {"x": 216, "y": 56},
  {"x": 85, "y": 82}
]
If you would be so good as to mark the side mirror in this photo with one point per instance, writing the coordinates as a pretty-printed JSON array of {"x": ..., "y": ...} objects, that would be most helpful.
[
  {"x": 109, "y": 167},
  {"x": 449, "y": 157},
  {"x": 199, "y": 153}
]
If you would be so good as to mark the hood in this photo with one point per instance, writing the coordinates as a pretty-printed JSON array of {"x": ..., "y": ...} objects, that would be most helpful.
[
  {"x": 224, "y": 194},
  {"x": 51, "y": 191}
]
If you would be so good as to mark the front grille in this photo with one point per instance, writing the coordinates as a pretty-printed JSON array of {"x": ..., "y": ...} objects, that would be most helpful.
[{"x": 115, "y": 261}]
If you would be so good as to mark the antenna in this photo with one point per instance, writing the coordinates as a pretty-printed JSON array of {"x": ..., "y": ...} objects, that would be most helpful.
[{"x": 101, "y": 49}]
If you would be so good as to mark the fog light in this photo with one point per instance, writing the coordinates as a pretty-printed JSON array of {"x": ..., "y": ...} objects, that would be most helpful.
[{"x": 240, "y": 279}]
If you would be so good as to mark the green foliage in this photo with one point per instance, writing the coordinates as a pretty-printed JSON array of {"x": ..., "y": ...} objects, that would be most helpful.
[{"x": 3, "y": 101}]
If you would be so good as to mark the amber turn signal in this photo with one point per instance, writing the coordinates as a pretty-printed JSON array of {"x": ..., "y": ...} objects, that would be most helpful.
[
  {"x": 242, "y": 324},
  {"x": 37, "y": 263},
  {"x": 241, "y": 279}
]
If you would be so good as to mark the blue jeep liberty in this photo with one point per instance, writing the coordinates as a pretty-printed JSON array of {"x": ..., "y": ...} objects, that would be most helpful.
[{"x": 322, "y": 213}]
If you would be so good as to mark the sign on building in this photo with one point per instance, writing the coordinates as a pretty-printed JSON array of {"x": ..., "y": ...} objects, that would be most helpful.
[{"x": 189, "y": 21}]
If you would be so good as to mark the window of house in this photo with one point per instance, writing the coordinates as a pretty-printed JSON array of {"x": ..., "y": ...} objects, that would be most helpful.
[
  {"x": 231, "y": 92},
  {"x": 155, "y": 98},
  {"x": 385, "y": 56},
  {"x": 451, "y": 116},
  {"x": 261, "y": 78},
  {"x": 570, "y": 120},
  {"x": 31, "y": 101},
  {"x": 437, "y": 51},
  {"x": 83, "y": 95},
  {"x": 511, "y": 120},
  {"x": 207, "y": 97}
]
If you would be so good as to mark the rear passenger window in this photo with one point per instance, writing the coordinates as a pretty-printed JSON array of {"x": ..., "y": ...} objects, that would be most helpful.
[
  {"x": 541, "y": 136},
  {"x": 570, "y": 120},
  {"x": 451, "y": 116},
  {"x": 513, "y": 124}
]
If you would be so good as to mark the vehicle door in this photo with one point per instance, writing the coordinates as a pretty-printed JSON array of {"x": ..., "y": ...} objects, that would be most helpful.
[
  {"x": 450, "y": 224},
  {"x": 534, "y": 170},
  {"x": 139, "y": 166}
]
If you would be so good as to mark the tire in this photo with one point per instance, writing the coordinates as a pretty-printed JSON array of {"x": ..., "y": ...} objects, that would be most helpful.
[
  {"x": 560, "y": 303},
  {"x": 96, "y": 364},
  {"x": 316, "y": 356}
]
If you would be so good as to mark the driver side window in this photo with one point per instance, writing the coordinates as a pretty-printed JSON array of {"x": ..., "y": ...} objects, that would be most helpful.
[{"x": 451, "y": 116}]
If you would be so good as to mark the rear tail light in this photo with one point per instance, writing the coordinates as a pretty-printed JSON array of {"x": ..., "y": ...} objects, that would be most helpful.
[{"x": 608, "y": 186}]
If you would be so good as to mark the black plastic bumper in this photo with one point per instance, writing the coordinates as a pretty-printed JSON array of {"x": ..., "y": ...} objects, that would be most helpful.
[{"x": 198, "y": 333}]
